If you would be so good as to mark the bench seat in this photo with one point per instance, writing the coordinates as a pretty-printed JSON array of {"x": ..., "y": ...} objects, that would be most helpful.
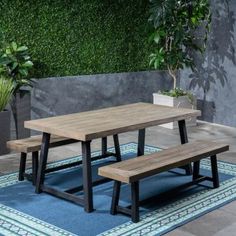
[
  {"x": 33, "y": 143},
  {"x": 133, "y": 170}
]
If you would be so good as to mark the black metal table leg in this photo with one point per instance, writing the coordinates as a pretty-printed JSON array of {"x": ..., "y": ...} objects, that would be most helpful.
[
  {"x": 87, "y": 176},
  {"x": 43, "y": 162},
  {"x": 135, "y": 201},
  {"x": 117, "y": 147},
  {"x": 184, "y": 139},
  {"x": 35, "y": 160},
  {"x": 196, "y": 169},
  {"x": 141, "y": 142},
  {"x": 115, "y": 197},
  {"x": 214, "y": 170},
  {"x": 23, "y": 157},
  {"x": 104, "y": 145}
]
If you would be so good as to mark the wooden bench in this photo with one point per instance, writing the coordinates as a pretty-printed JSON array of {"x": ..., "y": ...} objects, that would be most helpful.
[
  {"x": 133, "y": 170},
  {"x": 33, "y": 145}
]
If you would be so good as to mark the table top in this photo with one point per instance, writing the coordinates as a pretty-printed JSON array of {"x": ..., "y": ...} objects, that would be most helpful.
[{"x": 94, "y": 124}]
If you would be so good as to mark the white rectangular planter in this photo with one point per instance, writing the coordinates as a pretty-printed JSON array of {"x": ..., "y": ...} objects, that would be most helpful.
[{"x": 181, "y": 102}]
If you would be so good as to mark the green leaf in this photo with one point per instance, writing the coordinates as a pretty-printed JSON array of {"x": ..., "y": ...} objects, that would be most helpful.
[
  {"x": 156, "y": 64},
  {"x": 28, "y": 64},
  {"x": 8, "y": 51},
  {"x": 151, "y": 37},
  {"x": 22, "y": 49},
  {"x": 194, "y": 20},
  {"x": 14, "y": 46},
  {"x": 153, "y": 58},
  {"x": 25, "y": 82},
  {"x": 26, "y": 57},
  {"x": 15, "y": 64},
  {"x": 4, "y": 60},
  {"x": 157, "y": 38},
  {"x": 2, "y": 69},
  {"x": 23, "y": 72}
]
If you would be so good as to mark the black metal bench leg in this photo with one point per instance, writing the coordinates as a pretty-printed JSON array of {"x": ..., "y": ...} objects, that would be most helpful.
[
  {"x": 35, "y": 160},
  {"x": 117, "y": 147},
  {"x": 23, "y": 157},
  {"x": 214, "y": 169},
  {"x": 184, "y": 139},
  {"x": 115, "y": 197},
  {"x": 135, "y": 202},
  {"x": 141, "y": 142},
  {"x": 196, "y": 169}
]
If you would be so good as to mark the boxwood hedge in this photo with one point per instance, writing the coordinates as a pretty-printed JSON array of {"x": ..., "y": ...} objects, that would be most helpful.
[{"x": 71, "y": 37}]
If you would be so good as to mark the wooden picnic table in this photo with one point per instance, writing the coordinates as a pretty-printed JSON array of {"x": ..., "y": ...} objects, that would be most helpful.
[{"x": 86, "y": 126}]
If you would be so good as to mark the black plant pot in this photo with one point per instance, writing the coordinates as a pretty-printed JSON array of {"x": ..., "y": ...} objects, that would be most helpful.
[
  {"x": 20, "y": 106},
  {"x": 5, "y": 122}
]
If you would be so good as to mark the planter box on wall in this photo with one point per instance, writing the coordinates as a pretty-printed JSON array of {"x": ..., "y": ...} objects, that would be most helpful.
[
  {"x": 181, "y": 102},
  {"x": 4, "y": 131}
]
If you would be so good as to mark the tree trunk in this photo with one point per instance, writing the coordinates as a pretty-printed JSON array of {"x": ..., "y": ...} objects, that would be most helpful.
[{"x": 172, "y": 73}]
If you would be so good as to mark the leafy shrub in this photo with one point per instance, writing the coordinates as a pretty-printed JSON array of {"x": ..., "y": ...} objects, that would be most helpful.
[{"x": 15, "y": 63}]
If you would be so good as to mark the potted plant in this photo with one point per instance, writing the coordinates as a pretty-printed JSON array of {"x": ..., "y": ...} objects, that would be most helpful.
[
  {"x": 15, "y": 63},
  {"x": 6, "y": 91},
  {"x": 180, "y": 29}
]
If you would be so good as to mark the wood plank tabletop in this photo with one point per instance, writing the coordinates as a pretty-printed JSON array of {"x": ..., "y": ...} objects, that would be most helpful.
[{"x": 94, "y": 124}]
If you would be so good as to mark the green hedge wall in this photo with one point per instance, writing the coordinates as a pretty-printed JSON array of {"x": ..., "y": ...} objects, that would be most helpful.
[{"x": 72, "y": 37}]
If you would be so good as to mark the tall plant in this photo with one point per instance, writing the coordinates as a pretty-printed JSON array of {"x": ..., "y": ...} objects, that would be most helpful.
[
  {"x": 177, "y": 26},
  {"x": 15, "y": 63},
  {"x": 6, "y": 91}
]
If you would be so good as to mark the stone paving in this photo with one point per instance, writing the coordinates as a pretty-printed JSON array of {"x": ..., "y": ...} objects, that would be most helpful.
[{"x": 219, "y": 222}]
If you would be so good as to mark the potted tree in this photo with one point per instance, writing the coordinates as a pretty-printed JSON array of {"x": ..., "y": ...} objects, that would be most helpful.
[
  {"x": 15, "y": 63},
  {"x": 6, "y": 91},
  {"x": 180, "y": 29}
]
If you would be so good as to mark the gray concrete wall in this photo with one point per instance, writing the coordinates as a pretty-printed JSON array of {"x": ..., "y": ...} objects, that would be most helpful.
[
  {"x": 214, "y": 81},
  {"x": 57, "y": 96}
]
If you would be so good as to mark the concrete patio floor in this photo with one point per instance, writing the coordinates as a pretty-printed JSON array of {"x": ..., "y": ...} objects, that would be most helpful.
[{"x": 219, "y": 222}]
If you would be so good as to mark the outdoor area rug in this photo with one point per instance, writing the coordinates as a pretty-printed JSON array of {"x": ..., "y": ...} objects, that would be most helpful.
[{"x": 22, "y": 212}]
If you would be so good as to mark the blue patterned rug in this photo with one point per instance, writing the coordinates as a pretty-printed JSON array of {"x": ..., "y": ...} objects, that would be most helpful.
[{"x": 22, "y": 212}]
